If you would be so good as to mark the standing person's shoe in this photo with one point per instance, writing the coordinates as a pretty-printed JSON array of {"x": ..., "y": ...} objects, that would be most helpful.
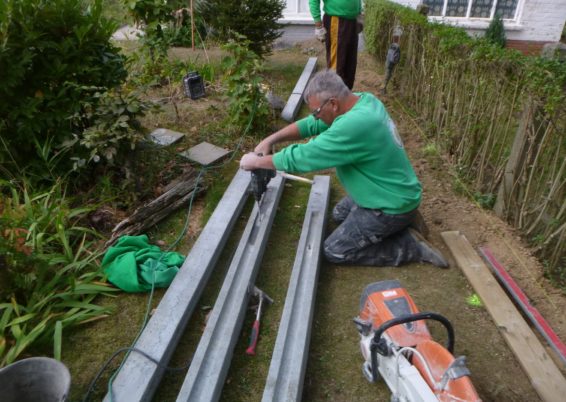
[{"x": 428, "y": 252}]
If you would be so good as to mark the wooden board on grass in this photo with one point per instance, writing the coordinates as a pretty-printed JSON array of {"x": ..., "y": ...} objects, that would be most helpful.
[{"x": 545, "y": 377}]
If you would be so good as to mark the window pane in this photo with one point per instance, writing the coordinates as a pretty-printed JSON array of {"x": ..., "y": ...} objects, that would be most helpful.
[
  {"x": 481, "y": 8},
  {"x": 457, "y": 8},
  {"x": 506, "y": 8},
  {"x": 435, "y": 7}
]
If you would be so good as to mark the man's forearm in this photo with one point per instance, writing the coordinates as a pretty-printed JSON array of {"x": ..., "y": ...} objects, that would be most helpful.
[
  {"x": 287, "y": 133},
  {"x": 252, "y": 161}
]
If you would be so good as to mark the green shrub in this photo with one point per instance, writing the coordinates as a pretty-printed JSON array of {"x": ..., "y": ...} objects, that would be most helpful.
[
  {"x": 179, "y": 33},
  {"x": 49, "y": 269},
  {"x": 495, "y": 32},
  {"x": 115, "y": 10},
  {"x": 254, "y": 19},
  {"x": 50, "y": 50},
  {"x": 165, "y": 23},
  {"x": 111, "y": 126},
  {"x": 245, "y": 88}
]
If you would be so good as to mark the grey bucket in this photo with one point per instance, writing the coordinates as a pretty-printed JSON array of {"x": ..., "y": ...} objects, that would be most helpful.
[{"x": 37, "y": 379}]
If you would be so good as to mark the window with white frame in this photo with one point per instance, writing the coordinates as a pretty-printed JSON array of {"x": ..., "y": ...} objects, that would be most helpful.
[{"x": 507, "y": 9}]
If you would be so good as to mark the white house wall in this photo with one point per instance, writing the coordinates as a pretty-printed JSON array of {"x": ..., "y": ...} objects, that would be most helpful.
[
  {"x": 541, "y": 20},
  {"x": 297, "y": 12},
  {"x": 538, "y": 21}
]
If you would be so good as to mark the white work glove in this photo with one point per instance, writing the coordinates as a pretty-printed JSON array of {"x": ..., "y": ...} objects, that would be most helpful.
[
  {"x": 320, "y": 33},
  {"x": 249, "y": 161}
]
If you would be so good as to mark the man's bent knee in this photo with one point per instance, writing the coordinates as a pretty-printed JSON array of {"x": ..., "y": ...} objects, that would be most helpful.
[{"x": 332, "y": 254}]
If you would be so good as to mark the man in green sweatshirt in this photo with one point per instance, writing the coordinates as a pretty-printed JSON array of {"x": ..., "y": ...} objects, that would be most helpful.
[
  {"x": 354, "y": 133},
  {"x": 339, "y": 29}
]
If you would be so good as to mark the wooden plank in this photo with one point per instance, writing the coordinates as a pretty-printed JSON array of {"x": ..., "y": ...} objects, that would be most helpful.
[{"x": 545, "y": 377}]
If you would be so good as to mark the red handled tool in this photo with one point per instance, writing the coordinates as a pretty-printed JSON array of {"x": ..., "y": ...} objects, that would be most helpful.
[{"x": 255, "y": 328}]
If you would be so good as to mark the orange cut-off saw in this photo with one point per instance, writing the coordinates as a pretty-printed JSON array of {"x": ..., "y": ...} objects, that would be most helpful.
[{"x": 397, "y": 347}]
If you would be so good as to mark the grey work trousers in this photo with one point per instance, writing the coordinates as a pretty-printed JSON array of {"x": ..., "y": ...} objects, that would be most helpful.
[{"x": 370, "y": 237}]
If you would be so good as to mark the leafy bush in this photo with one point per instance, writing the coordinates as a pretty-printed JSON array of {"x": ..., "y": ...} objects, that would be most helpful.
[
  {"x": 115, "y": 10},
  {"x": 495, "y": 32},
  {"x": 49, "y": 51},
  {"x": 254, "y": 19},
  {"x": 165, "y": 23},
  {"x": 246, "y": 90},
  {"x": 111, "y": 126},
  {"x": 179, "y": 33},
  {"x": 49, "y": 270}
]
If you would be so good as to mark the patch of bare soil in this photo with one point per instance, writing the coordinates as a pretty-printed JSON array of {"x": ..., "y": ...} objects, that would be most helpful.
[{"x": 495, "y": 371}]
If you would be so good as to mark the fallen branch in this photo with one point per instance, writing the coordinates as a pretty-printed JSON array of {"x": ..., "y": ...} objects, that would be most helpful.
[{"x": 177, "y": 195}]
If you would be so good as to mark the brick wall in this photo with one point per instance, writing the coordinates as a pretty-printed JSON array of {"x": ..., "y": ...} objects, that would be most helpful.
[{"x": 526, "y": 47}]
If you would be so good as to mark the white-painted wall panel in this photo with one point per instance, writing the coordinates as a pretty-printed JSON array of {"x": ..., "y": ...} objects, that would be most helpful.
[
  {"x": 538, "y": 20},
  {"x": 297, "y": 11}
]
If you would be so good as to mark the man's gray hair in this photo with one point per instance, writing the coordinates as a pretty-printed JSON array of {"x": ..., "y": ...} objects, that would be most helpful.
[{"x": 326, "y": 84}]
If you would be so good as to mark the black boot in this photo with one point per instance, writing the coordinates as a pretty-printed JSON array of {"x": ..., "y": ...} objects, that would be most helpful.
[{"x": 428, "y": 252}]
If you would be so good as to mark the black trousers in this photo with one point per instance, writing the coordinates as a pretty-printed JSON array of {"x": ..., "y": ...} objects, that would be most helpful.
[
  {"x": 341, "y": 47},
  {"x": 370, "y": 237}
]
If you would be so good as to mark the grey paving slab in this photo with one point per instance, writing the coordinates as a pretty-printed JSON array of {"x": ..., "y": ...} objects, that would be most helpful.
[
  {"x": 163, "y": 136},
  {"x": 205, "y": 153}
]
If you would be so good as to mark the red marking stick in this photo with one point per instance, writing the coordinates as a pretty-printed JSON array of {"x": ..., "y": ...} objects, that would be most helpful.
[{"x": 526, "y": 307}]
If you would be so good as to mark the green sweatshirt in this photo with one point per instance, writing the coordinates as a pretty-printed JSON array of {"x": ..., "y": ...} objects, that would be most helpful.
[
  {"x": 349, "y": 9},
  {"x": 367, "y": 152}
]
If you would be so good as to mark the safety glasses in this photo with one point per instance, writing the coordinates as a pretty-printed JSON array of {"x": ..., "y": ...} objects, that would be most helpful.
[{"x": 317, "y": 111}]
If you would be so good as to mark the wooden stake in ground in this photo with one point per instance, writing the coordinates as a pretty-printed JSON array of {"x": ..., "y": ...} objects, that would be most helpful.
[
  {"x": 192, "y": 27},
  {"x": 545, "y": 377}
]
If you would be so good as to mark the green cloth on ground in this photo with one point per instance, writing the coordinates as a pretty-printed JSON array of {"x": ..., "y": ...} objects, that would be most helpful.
[{"x": 132, "y": 264}]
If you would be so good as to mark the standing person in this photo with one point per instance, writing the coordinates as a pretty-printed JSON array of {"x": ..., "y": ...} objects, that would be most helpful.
[
  {"x": 339, "y": 29},
  {"x": 354, "y": 133}
]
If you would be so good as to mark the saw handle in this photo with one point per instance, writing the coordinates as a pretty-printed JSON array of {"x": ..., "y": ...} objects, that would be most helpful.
[{"x": 378, "y": 343}]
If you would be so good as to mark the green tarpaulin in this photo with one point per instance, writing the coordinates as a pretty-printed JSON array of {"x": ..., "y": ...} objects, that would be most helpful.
[{"x": 132, "y": 264}]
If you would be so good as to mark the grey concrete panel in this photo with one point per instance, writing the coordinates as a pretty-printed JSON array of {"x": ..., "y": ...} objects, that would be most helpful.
[
  {"x": 212, "y": 358},
  {"x": 295, "y": 100},
  {"x": 289, "y": 360},
  {"x": 139, "y": 378}
]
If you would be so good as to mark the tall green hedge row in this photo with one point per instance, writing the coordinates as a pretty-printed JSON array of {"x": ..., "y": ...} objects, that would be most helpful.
[{"x": 475, "y": 99}]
